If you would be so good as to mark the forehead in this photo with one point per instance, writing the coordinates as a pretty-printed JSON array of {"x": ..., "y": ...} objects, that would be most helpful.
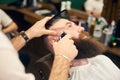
[{"x": 59, "y": 24}]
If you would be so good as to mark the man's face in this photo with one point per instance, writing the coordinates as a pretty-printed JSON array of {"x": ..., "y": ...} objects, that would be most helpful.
[
  {"x": 86, "y": 46},
  {"x": 63, "y": 25}
]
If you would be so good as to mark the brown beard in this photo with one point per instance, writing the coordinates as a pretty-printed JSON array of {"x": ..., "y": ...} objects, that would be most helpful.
[{"x": 88, "y": 47}]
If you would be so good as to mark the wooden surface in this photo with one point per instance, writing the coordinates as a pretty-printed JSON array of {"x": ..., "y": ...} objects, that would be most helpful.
[
  {"x": 115, "y": 51},
  {"x": 80, "y": 14},
  {"x": 31, "y": 17}
]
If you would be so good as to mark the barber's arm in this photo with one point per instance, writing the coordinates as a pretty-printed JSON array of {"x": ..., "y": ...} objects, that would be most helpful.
[
  {"x": 10, "y": 28},
  {"x": 6, "y": 21},
  {"x": 65, "y": 51},
  {"x": 36, "y": 30}
]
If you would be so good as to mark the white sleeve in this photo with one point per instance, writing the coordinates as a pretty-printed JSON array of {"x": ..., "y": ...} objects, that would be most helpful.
[
  {"x": 5, "y": 19},
  {"x": 10, "y": 66}
]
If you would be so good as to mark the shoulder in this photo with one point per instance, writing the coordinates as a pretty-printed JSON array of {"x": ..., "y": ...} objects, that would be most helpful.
[
  {"x": 3, "y": 14},
  {"x": 101, "y": 59},
  {"x": 1, "y": 11}
]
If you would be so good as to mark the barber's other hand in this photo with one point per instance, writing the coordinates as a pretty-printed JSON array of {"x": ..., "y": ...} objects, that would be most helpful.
[
  {"x": 38, "y": 29},
  {"x": 66, "y": 47}
]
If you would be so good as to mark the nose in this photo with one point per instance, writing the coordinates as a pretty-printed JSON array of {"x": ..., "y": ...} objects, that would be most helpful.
[{"x": 80, "y": 28}]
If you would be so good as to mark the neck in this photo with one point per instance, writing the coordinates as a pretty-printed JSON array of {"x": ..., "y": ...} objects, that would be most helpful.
[{"x": 79, "y": 62}]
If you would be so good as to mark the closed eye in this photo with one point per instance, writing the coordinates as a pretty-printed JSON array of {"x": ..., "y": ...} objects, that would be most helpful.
[{"x": 69, "y": 24}]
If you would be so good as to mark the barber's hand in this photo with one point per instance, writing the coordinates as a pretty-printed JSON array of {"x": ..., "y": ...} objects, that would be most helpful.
[
  {"x": 38, "y": 29},
  {"x": 66, "y": 47}
]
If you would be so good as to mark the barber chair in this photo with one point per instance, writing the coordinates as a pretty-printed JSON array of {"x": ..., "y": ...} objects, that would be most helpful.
[{"x": 42, "y": 67}]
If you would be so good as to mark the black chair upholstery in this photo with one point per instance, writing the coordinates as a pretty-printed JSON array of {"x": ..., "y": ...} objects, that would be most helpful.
[{"x": 41, "y": 69}]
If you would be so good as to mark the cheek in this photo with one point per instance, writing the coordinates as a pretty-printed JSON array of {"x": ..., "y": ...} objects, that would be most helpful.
[{"x": 74, "y": 34}]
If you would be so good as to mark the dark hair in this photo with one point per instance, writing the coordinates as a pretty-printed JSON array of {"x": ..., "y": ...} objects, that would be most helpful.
[{"x": 57, "y": 16}]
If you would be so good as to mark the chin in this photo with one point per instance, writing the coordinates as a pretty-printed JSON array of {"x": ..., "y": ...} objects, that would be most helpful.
[{"x": 89, "y": 47}]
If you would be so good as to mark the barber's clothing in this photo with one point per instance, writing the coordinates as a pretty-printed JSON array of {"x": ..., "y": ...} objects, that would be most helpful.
[
  {"x": 10, "y": 66},
  {"x": 5, "y": 20},
  {"x": 98, "y": 68}
]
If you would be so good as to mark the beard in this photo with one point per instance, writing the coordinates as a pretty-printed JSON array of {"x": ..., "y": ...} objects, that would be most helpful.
[{"x": 88, "y": 47}]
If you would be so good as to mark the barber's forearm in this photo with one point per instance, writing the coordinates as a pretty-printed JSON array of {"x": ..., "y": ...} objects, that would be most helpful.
[
  {"x": 19, "y": 42},
  {"x": 10, "y": 28},
  {"x": 60, "y": 69}
]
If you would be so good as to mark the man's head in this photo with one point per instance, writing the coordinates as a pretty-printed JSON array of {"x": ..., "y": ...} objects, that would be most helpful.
[
  {"x": 77, "y": 32},
  {"x": 63, "y": 25}
]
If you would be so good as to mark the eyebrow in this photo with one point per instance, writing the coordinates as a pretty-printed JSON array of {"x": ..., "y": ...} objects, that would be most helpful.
[
  {"x": 65, "y": 24},
  {"x": 69, "y": 22}
]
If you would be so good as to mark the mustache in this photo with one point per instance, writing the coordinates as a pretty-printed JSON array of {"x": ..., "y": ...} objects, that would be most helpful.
[{"x": 83, "y": 35}]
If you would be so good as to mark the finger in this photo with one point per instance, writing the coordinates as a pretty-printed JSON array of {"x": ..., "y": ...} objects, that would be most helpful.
[
  {"x": 47, "y": 18},
  {"x": 68, "y": 38},
  {"x": 54, "y": 44},
  {"x": 50, "y": 32}
]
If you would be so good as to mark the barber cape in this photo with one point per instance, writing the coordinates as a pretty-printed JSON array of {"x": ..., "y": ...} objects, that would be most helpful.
[{"x": 98, "y": 68}]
